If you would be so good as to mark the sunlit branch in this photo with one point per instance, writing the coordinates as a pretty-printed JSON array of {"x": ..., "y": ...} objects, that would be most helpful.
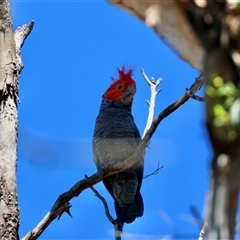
[
  {"x": 151, "y": 104},
  {"x": 21, "y": 34}
]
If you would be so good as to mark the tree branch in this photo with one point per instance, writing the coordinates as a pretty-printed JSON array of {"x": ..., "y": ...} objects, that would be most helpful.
[
  {"x": 156, "y": 171},
  {"x": 64, "y": 198},
  {"x": 151, "y": 104},
  {"x": 98, "y": 195},
  {"x": 198, "y": 98},
  {"x": 21, "y": 34}
]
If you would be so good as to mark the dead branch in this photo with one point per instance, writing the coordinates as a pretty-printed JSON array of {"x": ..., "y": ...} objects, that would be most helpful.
[
  {"x": 97, "y": 194},
  {"x": 156, "y": 171},
  {"x": 151, "y": 104},
  {"x": 198, "y": 98},
  {"x": 83, "y": 184},
  {"x": 21, "y": 33}
]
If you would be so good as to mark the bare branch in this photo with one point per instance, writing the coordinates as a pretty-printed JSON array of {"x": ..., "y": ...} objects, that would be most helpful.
[
  {"x": 64, "y": 198},
  {"x": 151, "y": 104},
  {"x": 195, "y": 97},
  {"x": 200, "y": 99},
  {"x": 22, "y": 33},
  {"x": 154, "y": 172},
  {"x": 65, "y": 209},
  {"x": 97, "y": 194}
]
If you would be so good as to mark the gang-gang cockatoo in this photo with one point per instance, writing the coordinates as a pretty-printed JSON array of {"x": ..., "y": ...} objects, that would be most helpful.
[{"x": 115, "y": 139}]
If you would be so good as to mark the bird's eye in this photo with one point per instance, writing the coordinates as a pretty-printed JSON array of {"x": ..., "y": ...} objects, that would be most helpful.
[{"x": 119, "y": 86}]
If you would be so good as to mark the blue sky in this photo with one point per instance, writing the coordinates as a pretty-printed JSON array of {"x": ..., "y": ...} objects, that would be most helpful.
[{"x": 70, "y": 57}]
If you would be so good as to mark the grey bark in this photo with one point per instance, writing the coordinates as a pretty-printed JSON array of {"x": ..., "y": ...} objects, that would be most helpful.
[{"x": 10, "y": 68}]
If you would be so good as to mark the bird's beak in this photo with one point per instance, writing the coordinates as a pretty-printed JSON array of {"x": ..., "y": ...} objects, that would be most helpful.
[{"x": 128, "y": 95}]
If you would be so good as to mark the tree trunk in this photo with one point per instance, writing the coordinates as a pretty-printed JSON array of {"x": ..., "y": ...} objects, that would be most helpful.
[
  {"x": 9, "y": 211},
  {"x": 10, "y": 68}
]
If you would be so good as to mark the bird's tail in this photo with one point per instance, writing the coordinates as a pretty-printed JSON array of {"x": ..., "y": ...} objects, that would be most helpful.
[{"x": 131, "y": 211}]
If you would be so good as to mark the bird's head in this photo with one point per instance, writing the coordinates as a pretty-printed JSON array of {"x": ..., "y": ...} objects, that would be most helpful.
[{"x": 123, "y": 89}]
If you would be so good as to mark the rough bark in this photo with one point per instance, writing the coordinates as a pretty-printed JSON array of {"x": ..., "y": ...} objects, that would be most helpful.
[
  {"x": 10, "y": 68},
  {"x": 9, "y": 211}
]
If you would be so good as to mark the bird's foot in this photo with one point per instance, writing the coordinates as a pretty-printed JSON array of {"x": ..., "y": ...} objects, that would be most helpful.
[{"x": 118, "y": 226}]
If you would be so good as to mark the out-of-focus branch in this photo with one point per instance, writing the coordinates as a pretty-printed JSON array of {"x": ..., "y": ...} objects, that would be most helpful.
[
  {"x": 167, "y": 19},
  {"x": 21, "y": 34}
]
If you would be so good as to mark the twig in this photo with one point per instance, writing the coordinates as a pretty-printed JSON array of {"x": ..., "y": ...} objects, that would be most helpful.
[
  {"x": 66, "y": 209},
  {"x": 118, "y": 167},
  {"x": 151, "y": 104},
  {"x": 195, "y": 97},
  {"x": 154, "y": 172},
  {"x": 97, "y": 194},
  {"x": 200, "y": 99}
]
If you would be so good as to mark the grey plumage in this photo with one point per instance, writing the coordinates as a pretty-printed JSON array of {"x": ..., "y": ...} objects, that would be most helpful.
[{"x": 116, "y": 138}]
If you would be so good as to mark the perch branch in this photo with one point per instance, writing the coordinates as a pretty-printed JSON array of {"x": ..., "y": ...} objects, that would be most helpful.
[
  {"x": 83, "y": 184},
  {"x": 98, "y": 195}
]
